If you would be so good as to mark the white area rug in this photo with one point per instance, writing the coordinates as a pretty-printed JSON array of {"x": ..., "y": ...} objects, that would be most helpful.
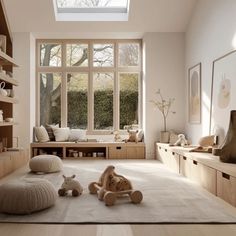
[{"x": 168, "y": 197}]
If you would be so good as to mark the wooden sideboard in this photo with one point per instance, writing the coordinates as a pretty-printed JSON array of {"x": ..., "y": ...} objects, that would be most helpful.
[
  {"x": 91, "y": 150},
  {"x": 203, "y": 168}
]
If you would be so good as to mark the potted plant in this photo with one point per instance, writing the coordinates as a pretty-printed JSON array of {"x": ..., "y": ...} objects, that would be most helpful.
[{"x": 164, "y": 106}]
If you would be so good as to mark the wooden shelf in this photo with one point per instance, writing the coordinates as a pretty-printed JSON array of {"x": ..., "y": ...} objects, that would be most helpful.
[
  {"x": 8, "y": 99},
  {"x": 6, "y": 60},
  {"x": 7, "y": 123},
  {"x": 8, "y": 79}
]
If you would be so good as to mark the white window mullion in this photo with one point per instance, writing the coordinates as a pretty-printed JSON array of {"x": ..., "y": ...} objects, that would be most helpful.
[
  {"x": 90, "y": 91},
  {"x": 64, "y": 89}
]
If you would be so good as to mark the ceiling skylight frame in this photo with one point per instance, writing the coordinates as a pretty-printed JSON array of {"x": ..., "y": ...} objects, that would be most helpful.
[{"x": 91, "y": 13}]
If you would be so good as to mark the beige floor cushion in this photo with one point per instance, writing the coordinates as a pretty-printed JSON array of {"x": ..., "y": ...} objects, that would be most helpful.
[
  {"x": 46, "y": 164},
  {"x": 25, "y": 196}
]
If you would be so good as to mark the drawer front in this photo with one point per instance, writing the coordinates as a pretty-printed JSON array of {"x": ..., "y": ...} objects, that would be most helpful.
[
  {"x": 162, "y": 155},
  {"x": 226, "y": 187},
  {"x": 117, "y": 152},
  {"x": 199, "y": 173},
  {"x": 174, "y": 162},
  {"x": 185, "y": 166},
  {"x": 135, "y": 152}
]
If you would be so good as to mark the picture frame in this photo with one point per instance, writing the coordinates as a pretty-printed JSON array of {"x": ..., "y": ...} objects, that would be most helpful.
[
  {"x": 3, "y": 43},
  {"x": 194, "y": 94},
  {"x": 222, "y": 94}
]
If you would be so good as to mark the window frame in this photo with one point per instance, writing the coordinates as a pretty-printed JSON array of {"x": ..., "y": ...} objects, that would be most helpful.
[{"x": 90, "y": 70}]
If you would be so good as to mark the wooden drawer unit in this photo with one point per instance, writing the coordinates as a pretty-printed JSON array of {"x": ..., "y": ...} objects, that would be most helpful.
[
  {"x": 226, "y": 187},
  {"x": 199, "y": 173},
  {"x": 117, "y": 152},
  {"x": 135, "y": 152}
]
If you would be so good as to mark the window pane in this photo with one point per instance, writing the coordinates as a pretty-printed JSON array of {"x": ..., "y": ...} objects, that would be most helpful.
[
  {"x": 103, "y": 55},
  {"x": 77, "y": 55},
  {"x": 103, "y": 86},
  {"x": 50, "y": 98},
  {"x": 50, "y": 55},
  {"x": 91, "y": 3},
  {"x": 128, "y": 99},
  {"x": 128, "y": 54},
  {"x": 77, "y": 95}
]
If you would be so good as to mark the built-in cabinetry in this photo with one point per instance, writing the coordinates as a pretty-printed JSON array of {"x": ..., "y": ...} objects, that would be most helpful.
[
  {"x": 91, "y": 150},
  {"x": 9, "y": 160},
  {"x": 203, "y": 168}
]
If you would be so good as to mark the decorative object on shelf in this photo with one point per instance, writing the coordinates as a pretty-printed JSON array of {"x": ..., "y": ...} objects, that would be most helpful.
[
  {"x": 222, "y": 93},
  {"x": 227, "y": 150},
  {"x": 1, "y": 147},
  {"x": 194, "y": 93},
  {"x": 70, "y": 184},
  {"x": 80, "y": 154},
  {"x": 3, "y": 91},
  {"x": 9, "y": 119},
  {"x": 4, "y": 143},
  {"x": 111, "y": 185},
  {"x": 1, "y": 116},
  {"x": 75, "y": 154},
  {"x": 3, "y": 43},
  {"x": 164, "y": 107},
  {"x": 135, "y": 136}
]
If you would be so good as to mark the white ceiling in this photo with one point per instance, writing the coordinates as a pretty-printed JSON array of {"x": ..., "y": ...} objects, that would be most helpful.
[{"x": 37, "y": 16}]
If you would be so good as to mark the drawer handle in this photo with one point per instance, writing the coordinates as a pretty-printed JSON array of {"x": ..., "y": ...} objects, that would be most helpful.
[
  {"x": 159, "y": 147},
  {"x": 165, "y": 150},
  {"x": 185, "y": 158},
  {"x": 194, "y": 162},
  {"x": 118, "y": 148},
  {"x": 173, "y": 153},
  {"x": 226, "y": 176}
]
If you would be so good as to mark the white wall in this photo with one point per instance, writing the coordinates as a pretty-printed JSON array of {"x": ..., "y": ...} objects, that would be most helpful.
[
  {"x": 24, "y": 112},
  {"x": 163, "y": 68},
  {"x": 209, "y": 36}
]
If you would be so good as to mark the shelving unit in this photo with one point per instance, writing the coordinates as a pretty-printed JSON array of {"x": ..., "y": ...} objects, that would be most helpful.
[
  {"x": 91, "y": 150},
  {"x": 9, "y": 161}
]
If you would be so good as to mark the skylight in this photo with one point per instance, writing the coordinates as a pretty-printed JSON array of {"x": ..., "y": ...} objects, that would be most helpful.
[{"x": 91, "y": 10}]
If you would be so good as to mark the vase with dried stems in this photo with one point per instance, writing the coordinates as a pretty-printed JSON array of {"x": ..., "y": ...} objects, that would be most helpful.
[{"x": 164, "y": 106}]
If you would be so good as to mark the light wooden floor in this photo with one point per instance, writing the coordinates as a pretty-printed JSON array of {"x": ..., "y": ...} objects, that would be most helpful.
[{"x": 116, "y": 230}]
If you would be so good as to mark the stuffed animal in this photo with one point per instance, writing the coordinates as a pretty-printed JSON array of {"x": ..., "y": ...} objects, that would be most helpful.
[
  {"x": 182, "y": 141},
  {"x": 133, "y": 136},
  {"x": 70, "y": 184},
  {"x": 117, "y": 137},
  {"x": 112, "y": 185}
]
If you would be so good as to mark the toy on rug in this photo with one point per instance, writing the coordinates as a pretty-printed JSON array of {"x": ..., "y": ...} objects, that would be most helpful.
[
  {"x": 70, "y": 184},
  {"x": 111, "y": 185},
  {"x": 133, "y": 136},
  {"x": 182, "y": 141}
]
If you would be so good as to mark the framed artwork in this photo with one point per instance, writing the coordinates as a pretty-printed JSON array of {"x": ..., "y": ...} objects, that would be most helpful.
[
  {"x": 194, "y": 94},
  {"x": 223, "y": 94}
]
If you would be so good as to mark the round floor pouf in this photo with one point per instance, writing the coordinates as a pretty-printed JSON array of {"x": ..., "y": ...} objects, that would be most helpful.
[
  {"x": 46, "y": 164},
  {"x": 26, "y": 196}
]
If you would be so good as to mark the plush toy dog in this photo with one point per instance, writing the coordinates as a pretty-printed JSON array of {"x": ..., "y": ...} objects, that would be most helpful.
[
  {"x": 133, "y": 136},
  {"x": 112, "y": 185},
  {"x": 182, "y": 141},
  {"x": 70, "y": 184}
]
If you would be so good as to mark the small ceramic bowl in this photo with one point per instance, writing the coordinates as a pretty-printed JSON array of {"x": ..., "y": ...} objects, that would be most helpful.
[{"x": 9, "y": 119}]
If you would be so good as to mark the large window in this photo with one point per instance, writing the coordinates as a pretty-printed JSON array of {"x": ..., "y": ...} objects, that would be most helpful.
[{"x": 89, "y": 84}]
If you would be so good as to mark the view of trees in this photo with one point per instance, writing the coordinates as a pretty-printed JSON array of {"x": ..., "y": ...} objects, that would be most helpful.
[{"x": 78, "y": 84}]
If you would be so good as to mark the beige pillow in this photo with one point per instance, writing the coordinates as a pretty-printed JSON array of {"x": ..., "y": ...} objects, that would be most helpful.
[
  {"x": 41, "y": 134},
  {"x": 61, "y": 134}
]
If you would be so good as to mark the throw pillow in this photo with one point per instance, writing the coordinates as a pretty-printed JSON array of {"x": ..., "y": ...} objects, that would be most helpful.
[
  {"x": 41, "y": 134},
  {"x": 61, "y": 134},
  {"x": 49, "y": 129},
  {"x": 77, "y": 135}
]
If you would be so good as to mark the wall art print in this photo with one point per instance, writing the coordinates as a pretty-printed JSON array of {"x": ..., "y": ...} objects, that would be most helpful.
[
  {"x": 223, "y": 95},
  {"x": 194, "y": 94}
]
